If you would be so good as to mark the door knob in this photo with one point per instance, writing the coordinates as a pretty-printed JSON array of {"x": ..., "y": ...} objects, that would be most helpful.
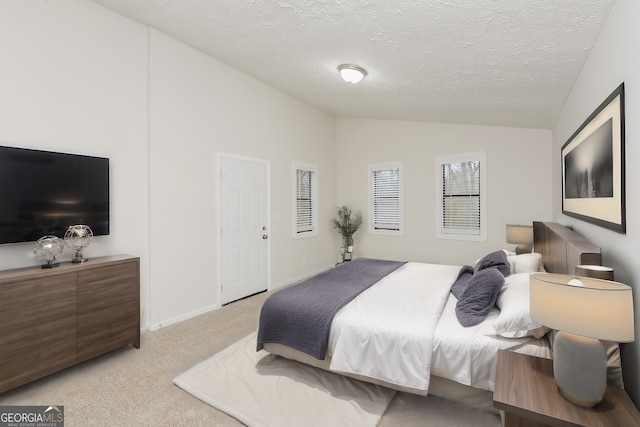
[{"x": 265, "y": 237}]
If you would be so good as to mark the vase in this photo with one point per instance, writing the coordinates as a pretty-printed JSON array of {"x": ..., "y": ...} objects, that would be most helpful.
[
  {"x": 347, "y": 245},
  {"x": 341, "y": 254}
]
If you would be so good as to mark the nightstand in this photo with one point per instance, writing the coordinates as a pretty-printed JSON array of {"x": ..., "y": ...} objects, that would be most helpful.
[{"x": 526, "y": 391}]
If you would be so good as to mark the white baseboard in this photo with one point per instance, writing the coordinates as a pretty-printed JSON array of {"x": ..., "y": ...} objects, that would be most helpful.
[
  {"x": 212, "y": 307},
  {"x": 183, "y": 317}
]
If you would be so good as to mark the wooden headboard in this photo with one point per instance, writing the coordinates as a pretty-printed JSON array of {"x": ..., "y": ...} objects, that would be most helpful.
[{"x": 562, "y": 248}]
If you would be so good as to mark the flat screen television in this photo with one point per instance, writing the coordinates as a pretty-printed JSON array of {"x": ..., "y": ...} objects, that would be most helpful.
[{"x": 43, "y": 193}]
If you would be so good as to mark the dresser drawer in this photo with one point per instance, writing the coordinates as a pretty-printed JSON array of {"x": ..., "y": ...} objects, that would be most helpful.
[
  {"x": 114, "y": 295},
  {"x": 106, "y": 277},
  {"x": 25, "y": 327},
  {"x": 37, "y": 341},
  {"x": 51, "y": 356},
  {"x": 21, "y": 294},
  {"x": 106, "y": 329}
]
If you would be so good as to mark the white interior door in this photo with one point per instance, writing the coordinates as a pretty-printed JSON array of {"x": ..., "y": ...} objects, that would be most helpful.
[{"x": 244, "y": 234}]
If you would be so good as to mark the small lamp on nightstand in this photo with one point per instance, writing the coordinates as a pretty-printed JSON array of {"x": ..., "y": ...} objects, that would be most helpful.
[
  {"x": 595, "y": 271},
  {"x": 522, "y": 236},
  {"x": 584, "y": 311}
]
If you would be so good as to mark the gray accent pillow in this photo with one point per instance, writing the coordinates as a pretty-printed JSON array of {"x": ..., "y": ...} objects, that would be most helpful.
[
  {"x": 479, "y": 296},
  {"x": 497, "y": 259}
]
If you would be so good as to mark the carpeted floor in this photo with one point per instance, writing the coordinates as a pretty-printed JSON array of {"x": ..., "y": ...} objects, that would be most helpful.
[{"x": 130, "y": 387}]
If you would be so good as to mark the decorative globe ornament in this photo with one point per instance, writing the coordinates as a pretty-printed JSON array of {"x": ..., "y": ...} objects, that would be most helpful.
[
  {"x": 47, "y": 248},
  {"x": 78, "y": 237}
]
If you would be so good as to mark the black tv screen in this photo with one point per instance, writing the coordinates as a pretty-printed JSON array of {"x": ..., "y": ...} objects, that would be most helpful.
[{"x": 43, "y": 193}]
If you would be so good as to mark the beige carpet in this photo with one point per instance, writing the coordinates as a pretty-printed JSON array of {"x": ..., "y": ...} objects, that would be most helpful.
[
  {"x": 130, "y": 387},
  {"x": 263, "y": 390}
]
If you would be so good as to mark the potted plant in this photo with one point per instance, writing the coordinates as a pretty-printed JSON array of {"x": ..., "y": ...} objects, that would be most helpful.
[{"x": 347, "y": 225}]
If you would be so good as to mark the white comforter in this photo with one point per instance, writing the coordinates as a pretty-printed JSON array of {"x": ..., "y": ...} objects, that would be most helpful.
[
  {"x": 404, "y": 329},
  {"x": 386, "y": 333},
  {"x": 468, "y": 355}
]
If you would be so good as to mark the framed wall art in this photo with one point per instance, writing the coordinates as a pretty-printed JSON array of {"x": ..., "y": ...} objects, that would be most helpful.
[{"x": 593, "y": 170}]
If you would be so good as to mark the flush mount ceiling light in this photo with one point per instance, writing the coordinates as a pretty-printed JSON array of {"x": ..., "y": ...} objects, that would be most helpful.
[{"x": 352, "y": 73}]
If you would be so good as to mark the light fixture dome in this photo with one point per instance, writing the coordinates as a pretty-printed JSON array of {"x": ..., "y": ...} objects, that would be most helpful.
[{"x": 352, "y": 73}]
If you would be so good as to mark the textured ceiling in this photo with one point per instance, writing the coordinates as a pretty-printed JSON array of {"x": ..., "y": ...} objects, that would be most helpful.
[{"x": 493, "y": 62}]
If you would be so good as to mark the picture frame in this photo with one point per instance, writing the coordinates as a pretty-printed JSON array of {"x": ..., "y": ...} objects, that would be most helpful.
[{"x": 593, "y": 167}]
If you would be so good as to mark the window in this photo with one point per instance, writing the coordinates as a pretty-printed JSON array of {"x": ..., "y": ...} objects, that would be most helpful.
[
  {"x": 305, "y": 203},
  {"x": 461, "y": 196},
  {"x": 385, "y": 198}
]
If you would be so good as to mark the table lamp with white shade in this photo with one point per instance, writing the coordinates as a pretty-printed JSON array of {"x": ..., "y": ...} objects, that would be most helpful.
[
  {"x": 595, "y": 271},
  {"x": 521, "y": 236},
  {"x": 584, "y": 311}
]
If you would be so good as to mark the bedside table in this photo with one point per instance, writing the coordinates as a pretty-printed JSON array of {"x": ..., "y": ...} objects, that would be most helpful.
[{"x": 526, "y": 391}]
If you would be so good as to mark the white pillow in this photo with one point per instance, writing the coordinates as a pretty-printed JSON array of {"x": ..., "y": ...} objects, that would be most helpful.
[
  {"x": 525, "y": 263},
  {"x": 513, "y": 301}
]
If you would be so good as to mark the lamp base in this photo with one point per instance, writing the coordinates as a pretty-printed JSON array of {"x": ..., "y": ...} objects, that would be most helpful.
[
  {"x": 580, "y": 369},
  {"x": 523, "y": 249}
]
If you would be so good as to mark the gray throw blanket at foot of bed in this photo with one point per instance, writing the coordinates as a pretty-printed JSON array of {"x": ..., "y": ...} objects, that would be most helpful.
[{"x": 300, "y": 317}]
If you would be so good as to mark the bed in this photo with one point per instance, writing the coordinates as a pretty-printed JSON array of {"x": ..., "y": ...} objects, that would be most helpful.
[{"x": 404, "y": 329}]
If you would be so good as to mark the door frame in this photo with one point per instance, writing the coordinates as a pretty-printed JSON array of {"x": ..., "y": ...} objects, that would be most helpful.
[{"x": 267, "y": 163}]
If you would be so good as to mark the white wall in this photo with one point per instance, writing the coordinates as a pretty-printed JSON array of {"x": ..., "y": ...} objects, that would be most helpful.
[
  {"x": 613, "y": 60},
  {"x": 73, "y": 79},
  {"x": 77, "y": 77},
  {"x": 200, "y": 107},
  {"x": 518, "y": 174}
]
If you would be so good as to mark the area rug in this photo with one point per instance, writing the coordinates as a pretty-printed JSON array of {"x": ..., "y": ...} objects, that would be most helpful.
[{"x": 263, "y": 390}]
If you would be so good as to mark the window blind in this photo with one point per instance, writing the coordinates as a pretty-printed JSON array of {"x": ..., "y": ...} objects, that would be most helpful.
[
  {"x": 304, "y": 200},
  {"x": 386, "y": 199},
  {"x": 461, "y": 197}
]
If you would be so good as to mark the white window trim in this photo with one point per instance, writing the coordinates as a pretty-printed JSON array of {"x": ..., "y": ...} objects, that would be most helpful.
[
  {"x": 465, "y": 157},
  {"x": 383, "y": 166},
  {"x": 315, "y": 200}
]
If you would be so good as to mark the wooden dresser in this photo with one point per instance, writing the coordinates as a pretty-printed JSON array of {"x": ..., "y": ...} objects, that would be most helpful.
[{"x": 51, "y": 319}]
